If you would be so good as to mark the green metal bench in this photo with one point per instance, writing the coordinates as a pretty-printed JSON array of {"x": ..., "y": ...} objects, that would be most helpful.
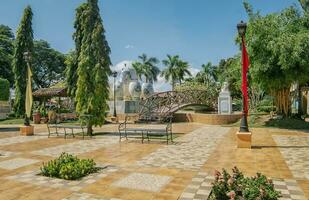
[
  {"x": 83, "y": 125},
  {"x": 125, "y": 132}
]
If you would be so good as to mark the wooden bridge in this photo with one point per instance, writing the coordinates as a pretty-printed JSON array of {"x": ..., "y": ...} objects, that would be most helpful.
[{"x": 161, "y": 105}]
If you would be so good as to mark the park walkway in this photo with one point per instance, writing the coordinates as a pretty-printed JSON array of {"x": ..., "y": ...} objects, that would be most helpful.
[{"x": 153, "y": 170}]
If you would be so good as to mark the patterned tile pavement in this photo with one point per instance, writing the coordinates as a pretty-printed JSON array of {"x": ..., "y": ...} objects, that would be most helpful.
[
  {"x": 142, "y": 181},
  {"x": 199, "y": 143},
  {"x": 79, "y": 147},
  {"x": 17, "y": 163},
  {"x": 200, "y": 188},
  {"x": 6, "y": 154},
  {"x": 87, "y": 196},
  {"x": 295, "y": 150},
  {"x": 33, "y": 177},
  {"x": 19, "y": 139}
]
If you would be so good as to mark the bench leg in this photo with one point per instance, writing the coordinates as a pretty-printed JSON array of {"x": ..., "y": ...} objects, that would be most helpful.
[
  {"x": 48, "y": 131},
  {"x": 65, "y": 134},
  {"x": 166, "y": 137},
  {"x": 142, "y": 137},
  {"x": 57, "y": 131},
  {"x": 73, "y": 134},
  {"x": 83, "y": 133}
]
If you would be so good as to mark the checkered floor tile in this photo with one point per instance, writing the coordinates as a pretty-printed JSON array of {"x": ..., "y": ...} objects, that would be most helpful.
[
  {"x": 200, "y": 188},
  {"x": 17, "y": 163},
  {"x": 142, "y": 181},
  {"x": 19, "y": 139},
  {"x": 6, "y": 154},
  {"x": 33, "y": 177},
  {"x": 78, "y": 147},
  {"x": 199, "y": 143},
  {"x": 87, "y": 196},
  {"x": 295, "y": 150}
]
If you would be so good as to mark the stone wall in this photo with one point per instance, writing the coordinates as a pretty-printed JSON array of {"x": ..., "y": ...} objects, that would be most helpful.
[{"x": 214, "y": 119}]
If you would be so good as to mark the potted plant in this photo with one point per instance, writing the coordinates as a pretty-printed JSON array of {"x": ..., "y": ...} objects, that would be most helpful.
[
  {"x": 36, "y": 116},
  {"x": 43, "y": 114}
]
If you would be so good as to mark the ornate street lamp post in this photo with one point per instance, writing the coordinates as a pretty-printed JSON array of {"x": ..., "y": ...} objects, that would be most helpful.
[
  {"x": 114, "y": 74},
  {"x": 27, "y": 58},
  {"x": 241, "y": 27}
]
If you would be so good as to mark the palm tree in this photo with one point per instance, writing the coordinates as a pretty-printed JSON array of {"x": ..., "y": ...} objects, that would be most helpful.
[
  {"x": 175, "y": 70},
  {"x": 147, "y": 68},
  {"x": 207, "y": 75},
  {"x": 183, "y": 70}
]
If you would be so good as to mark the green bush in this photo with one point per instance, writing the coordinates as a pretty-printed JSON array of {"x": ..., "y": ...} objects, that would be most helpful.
[
  {"x": 236, "y": 186},
  {"x": 69, "y": 167},
  {"x": 4, "y": 89}
]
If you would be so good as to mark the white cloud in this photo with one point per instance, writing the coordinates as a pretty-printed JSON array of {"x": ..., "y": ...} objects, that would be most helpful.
[
  {"x": 129, "y": 46},
  {"x": 193, "y": 71}
]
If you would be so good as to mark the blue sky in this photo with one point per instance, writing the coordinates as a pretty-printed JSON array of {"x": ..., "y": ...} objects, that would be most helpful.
[{"x": 197, "y": 30}]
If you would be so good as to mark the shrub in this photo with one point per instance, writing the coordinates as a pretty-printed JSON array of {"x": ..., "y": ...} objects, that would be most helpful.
[
  {"x": 4, "y": 89},
  {"x": 236, "y": 186},
  {"x": 69, "y": 167}
]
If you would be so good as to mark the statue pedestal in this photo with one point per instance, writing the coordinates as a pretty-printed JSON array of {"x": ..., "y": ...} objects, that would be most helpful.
[
  {"x": 224, "y": 103},
  {"x": 244, "y": 139},
  {"x": 26, "y": 130}
]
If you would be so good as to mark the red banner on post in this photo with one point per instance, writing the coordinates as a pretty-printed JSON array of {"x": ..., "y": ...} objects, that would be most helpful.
[{"x": 245, "y": 67}]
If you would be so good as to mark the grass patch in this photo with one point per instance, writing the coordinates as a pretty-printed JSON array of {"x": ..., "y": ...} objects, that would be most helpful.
[
  {"x": 12, "y": 121},
  {"x": 264, "y": 121},
  {"x": 287, "y": 123}
]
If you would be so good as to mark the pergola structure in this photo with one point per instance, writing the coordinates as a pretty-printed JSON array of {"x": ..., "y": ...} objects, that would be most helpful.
[
  {"x": 45, "y": 93},
  {"x": 50, "y": 92}
]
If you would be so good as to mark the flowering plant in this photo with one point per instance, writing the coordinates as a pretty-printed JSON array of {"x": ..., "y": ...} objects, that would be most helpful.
[{"x": 239, "y": 187}]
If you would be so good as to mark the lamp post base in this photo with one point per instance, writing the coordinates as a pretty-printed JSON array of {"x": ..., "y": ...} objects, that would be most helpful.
[{"x": 244, "y": 139}]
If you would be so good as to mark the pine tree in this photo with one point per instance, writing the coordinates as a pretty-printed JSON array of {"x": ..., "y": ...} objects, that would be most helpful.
[
  {"x": 23, "y": 43},
  {"x": 93, "y": 66}
]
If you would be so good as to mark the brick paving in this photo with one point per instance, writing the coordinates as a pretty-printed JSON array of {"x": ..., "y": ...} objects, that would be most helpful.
[
  {"x": 34, "y": 177},
  {"x": 153, "y": 171},
  {"x": 199, "y": 143},
  {"x": 295, "y": 150}
]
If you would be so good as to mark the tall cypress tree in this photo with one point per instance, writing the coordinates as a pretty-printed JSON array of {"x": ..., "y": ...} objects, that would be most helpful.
[
  {"x": 93, "y": 66},
  {"x": 23, "y": 43},
  {"x": 72, "y": 57}
]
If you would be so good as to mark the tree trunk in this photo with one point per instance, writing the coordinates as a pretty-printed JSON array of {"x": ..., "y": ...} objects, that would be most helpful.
[
  {"x": 282, "y": 101},
  {"x": 89, "y": 129},
  {"x": 300, "y": 102}
]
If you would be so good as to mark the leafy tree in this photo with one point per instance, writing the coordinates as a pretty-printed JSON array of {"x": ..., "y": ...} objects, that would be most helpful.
[
  {"x": 48, "y": 65},
  {"x": 278, "y": 45},
  {"x": 304, "y": 4},
  {"x": 72, "y": 58},
  {"x": 23, "y": 43},
  {"x": 147, "y": 68},
  {"x": 93, "y": 66},
  {"x": 6, "y": 53},
  {"x": 175, "y": 70},
  {"x": 5, "y": 89}
]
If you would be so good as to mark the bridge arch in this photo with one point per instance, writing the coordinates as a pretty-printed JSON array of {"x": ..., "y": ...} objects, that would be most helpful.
[{"x": 164, "y": 104}]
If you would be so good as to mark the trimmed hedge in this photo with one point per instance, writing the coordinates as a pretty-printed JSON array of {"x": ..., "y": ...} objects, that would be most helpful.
[{"x": 4, "y": 89}]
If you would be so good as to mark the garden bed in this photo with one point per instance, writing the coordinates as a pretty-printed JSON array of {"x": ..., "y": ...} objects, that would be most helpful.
[
  {"x": 69, "y": 167},
  {"x": 239, "y": 187}
]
